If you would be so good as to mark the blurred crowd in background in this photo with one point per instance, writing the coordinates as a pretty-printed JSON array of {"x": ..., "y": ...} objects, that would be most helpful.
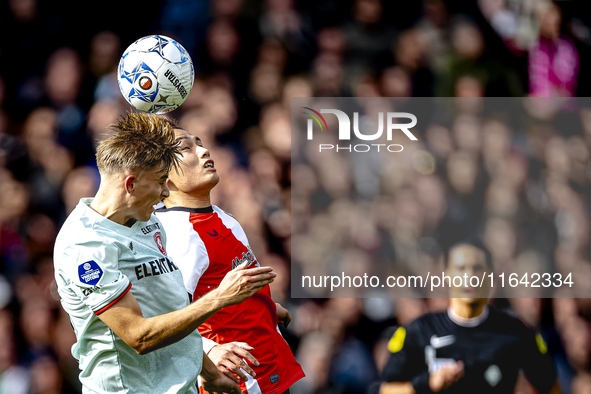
[{"x": 58, "y": 93}]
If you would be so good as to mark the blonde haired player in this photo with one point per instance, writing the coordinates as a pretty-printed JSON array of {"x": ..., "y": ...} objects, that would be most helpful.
[{"x": 135, "y": 328}]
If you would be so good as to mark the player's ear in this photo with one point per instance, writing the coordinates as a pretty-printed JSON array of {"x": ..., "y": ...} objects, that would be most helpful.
[
  {"x": 130, "y": 183},
  {"x": 171, "y": 186}
]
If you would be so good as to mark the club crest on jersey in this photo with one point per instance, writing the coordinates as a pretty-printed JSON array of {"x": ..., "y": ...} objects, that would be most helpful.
[
  {"x": 90, "y": 273},
  {"x": 158, "y": 240},
  {"x": 246, "y": 256},
  {"x": 439, "y": 342}
]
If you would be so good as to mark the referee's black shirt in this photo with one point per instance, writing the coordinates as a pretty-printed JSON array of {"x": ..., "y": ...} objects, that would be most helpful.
[{"x": 493, "y": 348}]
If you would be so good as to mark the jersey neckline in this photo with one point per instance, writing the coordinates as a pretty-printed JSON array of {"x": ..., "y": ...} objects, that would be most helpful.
[
  {"x": 106, "y": 222},
  {"x": 208, "y": 209},
  {"x": 470, "y": 322}
]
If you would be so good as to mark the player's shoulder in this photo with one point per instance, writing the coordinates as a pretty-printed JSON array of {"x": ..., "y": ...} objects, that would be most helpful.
[
  {"x": 161, "y": 211},
  {"x": 427, "y": 322},
  {"x": 174, "y": 218},
  {"x": 81, "y": 241},
  {"x": 418, "y": 331},
  {"x": 79, "y": 229},
  {"x": 429, "y": 318},
  {"x": 507, "y": 322},
  {"x": 220, "y": 211}
]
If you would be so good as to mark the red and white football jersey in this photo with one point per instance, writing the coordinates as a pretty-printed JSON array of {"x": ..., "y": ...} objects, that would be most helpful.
[{"x": 206, "y": 243}]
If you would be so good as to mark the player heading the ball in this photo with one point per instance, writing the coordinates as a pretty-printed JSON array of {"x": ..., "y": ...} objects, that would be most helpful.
[{"x": 124, "y": 294}]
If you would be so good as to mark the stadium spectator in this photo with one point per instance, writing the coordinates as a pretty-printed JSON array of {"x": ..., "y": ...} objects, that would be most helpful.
[
  {"x": 548, "y": 176},
  {"x": 554, "y": 60}
]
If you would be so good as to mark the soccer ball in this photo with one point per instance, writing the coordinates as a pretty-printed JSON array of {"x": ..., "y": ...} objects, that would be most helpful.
[{"x": 155, "y": 74}]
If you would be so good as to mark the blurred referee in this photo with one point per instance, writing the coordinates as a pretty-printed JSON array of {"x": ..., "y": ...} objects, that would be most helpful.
[{"x": 471, "y": 348}]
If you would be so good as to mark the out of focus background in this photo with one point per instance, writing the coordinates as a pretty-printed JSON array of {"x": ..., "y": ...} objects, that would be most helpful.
[{"x": 58, "y": 92}]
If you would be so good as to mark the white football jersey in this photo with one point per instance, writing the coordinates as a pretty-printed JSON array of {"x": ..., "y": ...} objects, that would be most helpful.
[{"x": 97, "y": 261}]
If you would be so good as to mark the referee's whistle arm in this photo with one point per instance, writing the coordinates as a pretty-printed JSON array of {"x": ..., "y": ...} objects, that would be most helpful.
[{"x": 438, "y": 381}]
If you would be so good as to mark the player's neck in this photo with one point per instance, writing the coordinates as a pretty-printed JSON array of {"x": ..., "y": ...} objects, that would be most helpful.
[
  {"x": 111, "y": 207},
  {"x": 467, "y": 310},
  {"x": 180, "y": 199}
]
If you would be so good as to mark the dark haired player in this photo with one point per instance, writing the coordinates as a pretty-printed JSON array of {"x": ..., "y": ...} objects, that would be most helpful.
[
  {"x": 471, "y": 348},
  {"x": 135, "y": 329},
  {"x": 206, "y": 243}
]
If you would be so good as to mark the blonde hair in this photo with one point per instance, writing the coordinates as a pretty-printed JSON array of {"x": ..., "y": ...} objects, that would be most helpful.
[{"x": 140, "y": 141}]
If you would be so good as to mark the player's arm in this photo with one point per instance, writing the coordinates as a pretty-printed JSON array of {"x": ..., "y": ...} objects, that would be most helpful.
[
  {"x": 213, "y": 381},
  {"x": 436, "y": 381},
  {"x": 229, "y": 358},
  {"x": 283, "y": 316},
  {"x": 537, "y": 364},
  {"x": 406, "y": 372},
  {"x": 148, "y": 334},
  {"x": 556, "y": 388}
]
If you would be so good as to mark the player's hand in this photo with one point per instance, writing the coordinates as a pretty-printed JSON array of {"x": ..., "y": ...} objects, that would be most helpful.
[
  {"x": 228, "y": 359},
  {"x": 213, "y": 381},
  {"x": 220, "y": 385},
  {"x": 241, "y": 283},
  {"x": 283, "y": 315},
  {"x": 446, "y": 376}
]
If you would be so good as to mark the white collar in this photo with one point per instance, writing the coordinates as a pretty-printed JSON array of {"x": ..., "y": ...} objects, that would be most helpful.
[{"x": 470, "y": 322}]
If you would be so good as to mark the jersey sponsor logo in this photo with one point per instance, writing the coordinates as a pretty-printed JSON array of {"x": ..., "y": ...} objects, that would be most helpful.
[
  {"x": 396, "y": 343},
  {"x": 150, "y": 227},
  {"x": 493, "y": 375},
  {"x": 214, "y": 234},
  {"x": 154, "y": 268},
  {"x": 274, "y": 378},
  {"x": 158, "y": 240},
  {"x": 435, "y": 363},
  {"x": 246, "y": 256},
  {"x": 90, "y": 290},
  {"x": 439, "y": 342},
  {"x": 90, "y": 273}
]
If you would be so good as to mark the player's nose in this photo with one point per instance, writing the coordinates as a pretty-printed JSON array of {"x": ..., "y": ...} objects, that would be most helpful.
[{"x": 203, "y": 152}]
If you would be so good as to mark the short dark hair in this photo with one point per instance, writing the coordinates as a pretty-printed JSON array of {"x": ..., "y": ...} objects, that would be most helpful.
[{"x": 475, "y": 242}]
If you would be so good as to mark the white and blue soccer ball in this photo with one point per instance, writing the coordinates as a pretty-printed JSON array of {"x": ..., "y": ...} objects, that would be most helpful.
[{"x": 155, "y": 74}]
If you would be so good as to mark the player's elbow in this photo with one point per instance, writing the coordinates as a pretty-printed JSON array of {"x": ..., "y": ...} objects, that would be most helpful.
[
  {"x": 145, "y": 344},
  {"x": 141, "y": 340},
  {"x": 142, "y": 347},
  {"x": 142, "y": 350}
]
